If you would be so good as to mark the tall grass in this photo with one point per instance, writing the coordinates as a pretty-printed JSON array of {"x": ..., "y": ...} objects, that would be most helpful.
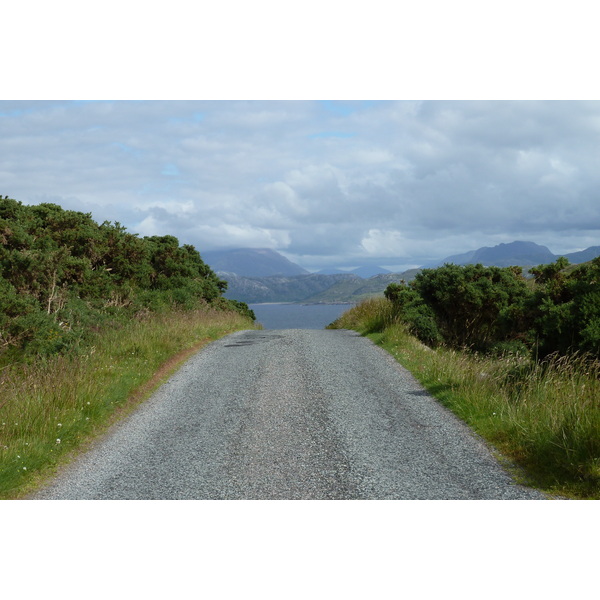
[
  {"x": 543, "y": 417},
  {"x": 371, "y": 315},
  {"x": 49, "y": 408}
]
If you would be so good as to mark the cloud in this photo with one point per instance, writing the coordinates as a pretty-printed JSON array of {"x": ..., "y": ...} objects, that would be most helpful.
[
  {"x": 384, "y": 243},
  {"x": 331, "y": 183}
]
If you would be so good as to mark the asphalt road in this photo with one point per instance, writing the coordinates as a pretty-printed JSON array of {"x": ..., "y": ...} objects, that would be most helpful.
[{"x": 289, "y": 414}]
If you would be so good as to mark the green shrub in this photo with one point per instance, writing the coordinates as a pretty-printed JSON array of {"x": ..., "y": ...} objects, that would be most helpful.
[
  {"x": 566, "y": 308},
  {"x": 492, "y": 309},
  {"x": 412, "y": 310},
  {"x": 62, "y": 275}
]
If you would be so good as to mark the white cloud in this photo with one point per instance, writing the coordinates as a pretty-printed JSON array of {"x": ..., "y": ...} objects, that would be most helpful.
[
  {"x": 406, "y": 179},
  {"x": 240, "y": 236},
  {"x": 384, "y": 243}
]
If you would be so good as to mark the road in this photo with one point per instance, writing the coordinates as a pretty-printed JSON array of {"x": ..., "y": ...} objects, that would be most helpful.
[{"x": 289, "y": 414}]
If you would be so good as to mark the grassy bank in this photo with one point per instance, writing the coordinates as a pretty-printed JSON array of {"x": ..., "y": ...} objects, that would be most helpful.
[
  {"x": 543, "y": 417},
  {"x": 50, "y": 408}
]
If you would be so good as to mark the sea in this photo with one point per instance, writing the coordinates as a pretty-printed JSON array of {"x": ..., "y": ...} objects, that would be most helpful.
[{"x": 287, "y": 315}]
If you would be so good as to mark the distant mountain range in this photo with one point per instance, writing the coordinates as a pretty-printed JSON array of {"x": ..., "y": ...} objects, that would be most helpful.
[
  {"x": 311, "y": 288},
  {"x": 252, "y": 262},
  {"x": 262, "y": 275},
  {"x": 522, "y": 254},
  {"x": 364, "y": 272},
  {"x": 264, "y": 262}
]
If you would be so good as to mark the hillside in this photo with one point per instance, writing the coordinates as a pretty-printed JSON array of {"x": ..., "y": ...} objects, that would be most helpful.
[{"x": 355, "y": 291}]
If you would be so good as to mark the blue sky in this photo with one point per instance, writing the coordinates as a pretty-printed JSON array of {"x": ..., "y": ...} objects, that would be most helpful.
[{"x": 395, "y": 183}]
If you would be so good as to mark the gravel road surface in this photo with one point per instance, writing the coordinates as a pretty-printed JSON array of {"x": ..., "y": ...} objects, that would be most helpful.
[{"x": 289, "y": 414}]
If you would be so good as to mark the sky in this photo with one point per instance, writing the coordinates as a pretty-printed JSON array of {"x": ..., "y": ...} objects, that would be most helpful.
[{"x": 326, "y": 183}]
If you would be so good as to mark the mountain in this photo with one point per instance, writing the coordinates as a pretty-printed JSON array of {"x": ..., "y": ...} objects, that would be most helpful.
[
  {"x": 524, "y": 254},
  {"x": 298, "y": 288},
  {"x": 263, "y": 275},
  {"x": 252, "y": 262},
  {"x": 309, "y": 288},
  {"x": 355, "y": 291},
  {"x": 366, "y": 272},
  {"x": 584, "y": 255},
  {"x": 515, "y": 253},
  {"x": 331, "y": 271}
]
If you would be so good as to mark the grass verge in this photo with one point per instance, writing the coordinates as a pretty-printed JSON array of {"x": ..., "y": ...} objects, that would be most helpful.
[
  {"x": 543, "y": 418},
  {"x": 50, "y": 409}
]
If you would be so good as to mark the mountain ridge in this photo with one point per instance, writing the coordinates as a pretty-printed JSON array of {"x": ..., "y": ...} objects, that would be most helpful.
[
  {"x": 518, "y": 253},
  {"x": 294, "y": 284},
  {"x": 311, "y": 288},
  {"x": 264, "y": 262}
]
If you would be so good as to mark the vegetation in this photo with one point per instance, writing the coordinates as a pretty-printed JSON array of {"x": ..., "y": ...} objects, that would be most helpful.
[
  {"x": 517, "y": 360},
  {"x": 493, "y": 309},
  {"x": 49, "y": 408},
  {"x": 63, "y": 278},
  {"x": 91, "y": 317}
]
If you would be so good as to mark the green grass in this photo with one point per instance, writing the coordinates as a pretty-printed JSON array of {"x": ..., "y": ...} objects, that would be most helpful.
[
  {"x": 50, "y": 409},
  {"x": 544, "y": 419}
]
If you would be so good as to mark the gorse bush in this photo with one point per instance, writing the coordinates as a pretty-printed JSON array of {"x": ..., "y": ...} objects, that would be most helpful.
[
  {"x": 64, "y": 277},
  {"x": 495, "y": 309},
  {"x": 412, "y": 309},
  {"x": 566, "y": 307}
]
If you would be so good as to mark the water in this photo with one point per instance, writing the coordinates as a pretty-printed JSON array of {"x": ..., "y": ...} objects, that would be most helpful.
[{"x": 297, "y": 316}]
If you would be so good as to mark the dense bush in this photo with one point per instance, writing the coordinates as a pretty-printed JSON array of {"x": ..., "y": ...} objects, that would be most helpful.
[
  {"x": 566, "y": 307},
  {"x": 472, "y": 306},
  {"x": 497, "y": 310},
  {"x": 415, "y": 313},
  {"x": 62, "y": 275}
]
